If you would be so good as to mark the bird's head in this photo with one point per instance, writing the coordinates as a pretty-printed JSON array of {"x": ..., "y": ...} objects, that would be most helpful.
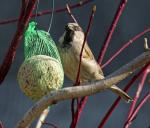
[{"x": 73, "y": 33}]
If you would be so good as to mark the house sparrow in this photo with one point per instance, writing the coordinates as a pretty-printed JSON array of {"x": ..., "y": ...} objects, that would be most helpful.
[{"x": 69, "y": 47}]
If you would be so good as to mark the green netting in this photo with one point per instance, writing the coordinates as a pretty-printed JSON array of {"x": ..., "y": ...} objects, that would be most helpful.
[{"x": 38, "y": 42}]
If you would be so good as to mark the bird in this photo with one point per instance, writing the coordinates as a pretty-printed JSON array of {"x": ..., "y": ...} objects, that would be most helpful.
[{"x": 69, "y": 47}]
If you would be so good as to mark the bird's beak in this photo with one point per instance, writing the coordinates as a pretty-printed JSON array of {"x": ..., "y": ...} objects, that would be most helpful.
[{"x": 67, "y": 28}]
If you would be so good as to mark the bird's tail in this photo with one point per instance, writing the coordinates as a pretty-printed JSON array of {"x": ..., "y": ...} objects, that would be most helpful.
[{"x": 121, "y": 93}]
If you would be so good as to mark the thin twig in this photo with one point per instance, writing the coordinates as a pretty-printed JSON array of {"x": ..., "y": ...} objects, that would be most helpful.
[
  {"x": 143, "y": 101},
  {"x": 137, "y": 95},
  {"x": 73, "y": 100},
  {"x": 46, "y": 12},
  {"x": 84, "y": 90},
  {"x": 1, "y": 124},
  {"x": 115, "y": 104},
  {"x": 111, "y": 30},
  {"x": 85, "y": 38},
  {"x": 70, "y": 13},
  {"x": 125, "y": 46},
  {"x": 138, "y": 92},
  {"x": 146, "y": 47},
  {"x": 42, "y": 118},
  {"x": 79, "y": 110},
  {"x": 25, "y": 16}
]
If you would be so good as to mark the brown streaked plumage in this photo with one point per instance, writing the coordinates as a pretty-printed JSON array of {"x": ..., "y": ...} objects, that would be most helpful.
[{"x": 70, "y": 44}]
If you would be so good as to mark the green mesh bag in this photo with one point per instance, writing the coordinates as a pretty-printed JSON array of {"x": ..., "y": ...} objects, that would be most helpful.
[
  {"x": 42, "y": 71},
  {"x": 38, "y": 42}
]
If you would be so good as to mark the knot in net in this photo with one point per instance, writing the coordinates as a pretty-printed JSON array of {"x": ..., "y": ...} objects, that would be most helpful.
[{"x": 39, "y": 42}]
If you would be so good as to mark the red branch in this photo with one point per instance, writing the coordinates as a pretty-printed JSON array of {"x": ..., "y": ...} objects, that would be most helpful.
[
  {"x": 111, "y": 30},
  {"x": 79, "y": 110},
  {"x": 25, "y": 16},
  {"x": 84, "y": 99},
  {"x": 85, "y": 38},
  {"x": 136, "y": 97},
  {"x": 46, "y": 12},
  {"x": 73, "y": 100},
  {"x": 115, "y": 104},
  {"x": 1, "y": 124},
  {"x": 72, "y": 108},
  {"x": 125, "y": 46},
  {"x": 143, "y": 101}
]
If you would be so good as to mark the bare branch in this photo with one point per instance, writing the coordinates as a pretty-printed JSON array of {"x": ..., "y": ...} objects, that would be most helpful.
[
  {"x": 84, "y": 90},
  {"x": 70, "y": 13},
  {"x": 42, "y": 118},
  {"x": 146, "y": 47}
]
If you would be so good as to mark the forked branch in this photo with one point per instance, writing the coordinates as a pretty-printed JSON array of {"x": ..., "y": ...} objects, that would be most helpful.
[{"x": 84, "y": 90}]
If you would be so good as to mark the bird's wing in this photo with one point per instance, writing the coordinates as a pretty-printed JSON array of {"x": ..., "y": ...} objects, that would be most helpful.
[
  {"x": 89, "y": 62},
  {"x": 87, "y": 53}
]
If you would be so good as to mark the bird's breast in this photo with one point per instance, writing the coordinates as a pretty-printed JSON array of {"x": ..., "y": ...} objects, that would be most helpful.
[
  {"x": 70, "y": 64},
  {"x": 89, "y": 70}
]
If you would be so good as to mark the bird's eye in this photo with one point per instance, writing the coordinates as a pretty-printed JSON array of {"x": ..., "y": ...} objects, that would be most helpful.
[
  {"x": 76, "y": 28},
  {"x": 66, "y": 27}
]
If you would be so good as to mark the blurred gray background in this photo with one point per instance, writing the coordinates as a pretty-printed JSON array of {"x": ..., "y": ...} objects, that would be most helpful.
[{"x": 136, "y": 17}]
